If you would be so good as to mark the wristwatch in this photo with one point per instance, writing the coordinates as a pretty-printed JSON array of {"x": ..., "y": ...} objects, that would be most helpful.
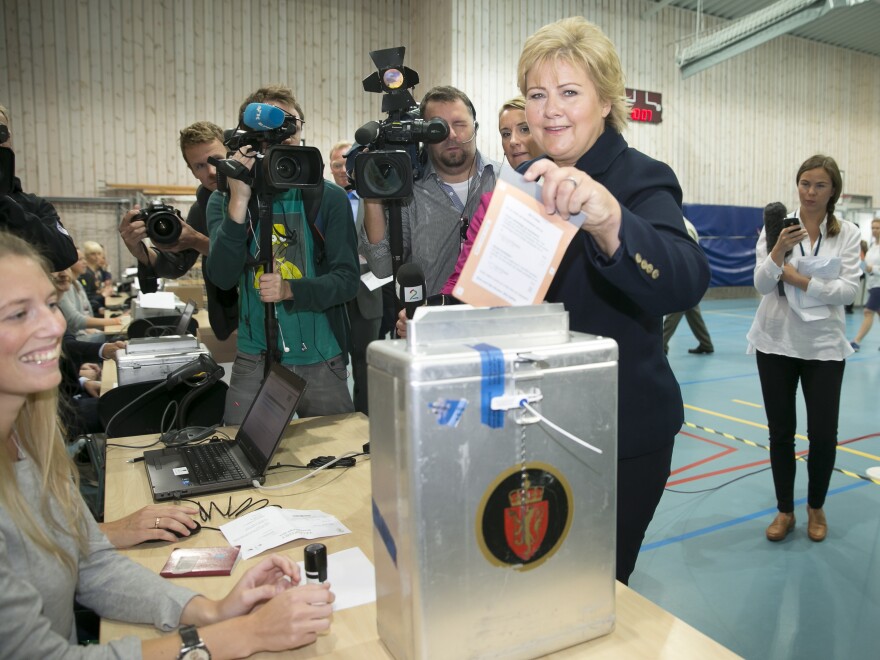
[{"x": 191, "y": 645}]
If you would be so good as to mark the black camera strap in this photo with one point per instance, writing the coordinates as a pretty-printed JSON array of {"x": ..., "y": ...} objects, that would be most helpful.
[{"x": 312, "y": 198}]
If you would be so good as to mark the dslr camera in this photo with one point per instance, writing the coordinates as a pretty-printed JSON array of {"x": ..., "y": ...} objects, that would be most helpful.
[
  {"x": 164, "y": 223},
  {"x": 278, "y": 167},
  {"x": 384, "y": 172}
]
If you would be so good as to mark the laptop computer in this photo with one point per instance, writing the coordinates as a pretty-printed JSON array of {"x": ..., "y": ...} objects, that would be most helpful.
[
  {"x": 175, "y": 341},
  {"x": 177, "y": 472}
]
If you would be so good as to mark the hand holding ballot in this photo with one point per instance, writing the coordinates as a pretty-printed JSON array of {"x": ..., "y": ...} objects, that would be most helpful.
[{"x": 517, "y": 249}]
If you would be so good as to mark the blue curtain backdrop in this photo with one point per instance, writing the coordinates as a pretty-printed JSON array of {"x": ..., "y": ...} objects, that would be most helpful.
[{"x": 728, "y": 235}]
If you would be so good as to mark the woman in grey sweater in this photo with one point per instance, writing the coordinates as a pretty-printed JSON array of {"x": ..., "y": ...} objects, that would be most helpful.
[{"x": 51, "y": 551}]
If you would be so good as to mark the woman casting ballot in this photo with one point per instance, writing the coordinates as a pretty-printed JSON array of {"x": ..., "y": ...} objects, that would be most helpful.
[
  {"x": 632, "y": 260},
  {"x": 51, "y": 550}
]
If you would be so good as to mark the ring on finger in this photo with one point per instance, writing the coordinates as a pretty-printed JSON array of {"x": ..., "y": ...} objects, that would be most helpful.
[
  {"x": 573, "y": 181},
  {"x": 156, "y": 526}
]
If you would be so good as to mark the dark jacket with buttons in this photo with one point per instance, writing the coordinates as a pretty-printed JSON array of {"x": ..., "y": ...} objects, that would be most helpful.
[{"x": 657, "y": 270}]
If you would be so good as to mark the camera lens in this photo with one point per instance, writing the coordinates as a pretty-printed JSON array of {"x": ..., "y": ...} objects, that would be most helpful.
[
  {"x": 386, "y": 176},
  {"x": 163, "y": 228},
  {"x": 286, "y": 169}
]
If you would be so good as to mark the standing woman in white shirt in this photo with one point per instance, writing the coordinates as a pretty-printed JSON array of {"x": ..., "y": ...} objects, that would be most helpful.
[{"x": 790, "y": 349}]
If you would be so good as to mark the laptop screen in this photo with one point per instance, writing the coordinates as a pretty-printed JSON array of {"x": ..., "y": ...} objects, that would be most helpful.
[
  {"x": 270, "y": 413},
  {"x": 185, "y": 317}
]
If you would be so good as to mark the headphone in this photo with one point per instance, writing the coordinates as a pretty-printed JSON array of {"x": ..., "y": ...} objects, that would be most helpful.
[{"x": 474, "y": 136}]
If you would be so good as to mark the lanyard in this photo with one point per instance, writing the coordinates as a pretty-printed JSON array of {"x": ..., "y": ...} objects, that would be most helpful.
[{"x": 816, "y": 251}]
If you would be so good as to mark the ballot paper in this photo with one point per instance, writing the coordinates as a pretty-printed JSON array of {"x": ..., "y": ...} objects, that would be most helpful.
[
  {"x": 270, "y": 527},
  {"x": 518, "y": 248}
]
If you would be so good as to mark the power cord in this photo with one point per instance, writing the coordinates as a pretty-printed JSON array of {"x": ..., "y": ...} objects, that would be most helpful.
[
  {"x": 331, "y": 463},
  {"x": 709, "y": 490},
  {"x": 247, "y": 506}
]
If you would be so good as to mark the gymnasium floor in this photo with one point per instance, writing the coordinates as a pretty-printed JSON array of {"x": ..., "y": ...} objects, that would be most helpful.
[{"x": 705, "y": 557}]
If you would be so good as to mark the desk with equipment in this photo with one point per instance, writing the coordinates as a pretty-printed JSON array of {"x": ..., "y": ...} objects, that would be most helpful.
[{"x": 643, "y": 630}]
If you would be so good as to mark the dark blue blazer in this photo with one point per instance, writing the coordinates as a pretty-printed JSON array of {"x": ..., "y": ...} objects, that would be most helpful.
[{"x": 658, "y": 269}]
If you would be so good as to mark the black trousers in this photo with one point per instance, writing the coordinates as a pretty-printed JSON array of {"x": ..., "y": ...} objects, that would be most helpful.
[
  {"x": 820, "y": 381},
  {"x": 640, "y": 484}
]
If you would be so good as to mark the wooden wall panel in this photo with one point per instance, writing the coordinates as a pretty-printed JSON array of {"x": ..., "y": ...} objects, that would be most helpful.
[{"x": 98, "y": 89}]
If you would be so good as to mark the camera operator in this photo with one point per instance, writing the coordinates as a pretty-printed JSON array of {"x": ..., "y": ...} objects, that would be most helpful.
[
  {"x": 436, "y": 216},
  {"x": 308, "y": 286},
  {"x": 28, "y": 216},
  {"x": 198, "y": 142}
]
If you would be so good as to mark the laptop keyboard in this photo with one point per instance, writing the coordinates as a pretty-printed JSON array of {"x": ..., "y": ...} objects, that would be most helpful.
[{"x": 212, "y": 463}]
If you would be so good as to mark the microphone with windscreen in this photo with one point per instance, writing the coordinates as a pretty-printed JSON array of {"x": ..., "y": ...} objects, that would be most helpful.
[
  {"x": 774, "y": 214},
  {"x": 263, "y": 117},
  {"x": 411, "y": 288}
]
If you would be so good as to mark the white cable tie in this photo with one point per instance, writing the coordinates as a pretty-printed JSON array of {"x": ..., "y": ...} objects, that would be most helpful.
[
  {"x": 257, "y": 484},
  {"x": 560, "y": 429}
]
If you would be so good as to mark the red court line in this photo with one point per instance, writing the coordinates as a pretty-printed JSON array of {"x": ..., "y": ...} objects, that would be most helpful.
[
  {"x": 689, "y": 466},
  {"x": 740, "y": 467}
]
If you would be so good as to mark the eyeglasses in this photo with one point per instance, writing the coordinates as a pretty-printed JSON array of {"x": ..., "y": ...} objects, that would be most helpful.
[{"x": 61, "y": 278}]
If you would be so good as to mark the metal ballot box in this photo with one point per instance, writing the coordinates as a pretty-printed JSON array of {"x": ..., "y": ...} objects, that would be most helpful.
[
  {"x": 140, "y": 367},
  {"x": 494, "y": 532}
]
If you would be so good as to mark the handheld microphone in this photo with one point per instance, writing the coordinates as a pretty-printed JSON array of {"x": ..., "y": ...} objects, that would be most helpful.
[
  {"x": 774, "y": 214},
  {"x": 411, "y": 288},
  {"x": 367, "y": 133},
  {"x": 263, "y": 117}
]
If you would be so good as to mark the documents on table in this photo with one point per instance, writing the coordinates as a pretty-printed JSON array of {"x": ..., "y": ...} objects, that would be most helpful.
[
  {"x": 518, "y": 248},
  {"x": 270, "y": 527},
  {"x": 351, "y": 576}
]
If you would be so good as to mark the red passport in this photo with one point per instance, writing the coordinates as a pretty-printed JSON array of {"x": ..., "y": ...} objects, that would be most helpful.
[{"x": 200, "y": 562}]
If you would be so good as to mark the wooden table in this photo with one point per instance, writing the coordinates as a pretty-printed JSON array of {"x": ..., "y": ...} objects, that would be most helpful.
[{"x": 644, "y": 630}]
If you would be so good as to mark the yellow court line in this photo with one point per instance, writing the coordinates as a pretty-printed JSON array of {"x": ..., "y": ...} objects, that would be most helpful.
[
  {"x": 747, "y": 403},
  {"x": 855, "y": 452}
]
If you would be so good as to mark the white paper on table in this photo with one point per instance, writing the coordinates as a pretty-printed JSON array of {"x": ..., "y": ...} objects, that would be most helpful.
[
  {"x": 158, "y": 300},
  {"x": 268, "y": 528},
  {"x": 372, "y": 282},
  {"x": 351, "y": 576}
]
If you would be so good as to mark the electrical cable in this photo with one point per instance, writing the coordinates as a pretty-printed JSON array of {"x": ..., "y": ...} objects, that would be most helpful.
[
  {"x": 258, "y": 485},
  {"x": 709, "y": 490}
]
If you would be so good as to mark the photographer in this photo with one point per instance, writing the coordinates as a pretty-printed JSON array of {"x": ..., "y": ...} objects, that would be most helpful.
[
  {"x": 436, "y": 216},
  {"x": 308, "y": 286},
  {"x": 198, "y": 142},
  {"x": 28, "y": 216}
]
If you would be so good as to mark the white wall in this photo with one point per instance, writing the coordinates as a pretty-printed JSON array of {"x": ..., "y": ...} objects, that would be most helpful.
[{"x": 98, "y": 89}]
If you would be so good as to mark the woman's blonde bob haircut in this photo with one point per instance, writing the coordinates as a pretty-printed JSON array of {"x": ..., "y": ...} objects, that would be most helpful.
[{"x": 580, "y": 43}]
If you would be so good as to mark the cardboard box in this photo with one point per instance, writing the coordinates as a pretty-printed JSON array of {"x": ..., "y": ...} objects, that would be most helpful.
[
  {"x": 221, "y": 351},
  {"x": 186, "y": 291}
]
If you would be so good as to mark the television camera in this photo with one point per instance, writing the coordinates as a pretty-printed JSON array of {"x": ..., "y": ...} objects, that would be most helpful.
[
  {"x": 278, "y": 167},
  {"x": 384, "y": 172}
]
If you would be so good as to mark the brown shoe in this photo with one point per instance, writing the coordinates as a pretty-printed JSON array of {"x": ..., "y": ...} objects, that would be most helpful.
[
  {"x": 817, "y": 528},
  {"x": 780, "y": 527}
]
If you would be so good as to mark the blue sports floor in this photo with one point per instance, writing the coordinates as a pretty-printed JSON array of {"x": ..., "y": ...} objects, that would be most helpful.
[{"x": 705, "y": 557}]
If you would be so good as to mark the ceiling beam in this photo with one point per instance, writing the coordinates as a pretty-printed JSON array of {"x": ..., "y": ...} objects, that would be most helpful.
[{"x": 750, "y": 31}]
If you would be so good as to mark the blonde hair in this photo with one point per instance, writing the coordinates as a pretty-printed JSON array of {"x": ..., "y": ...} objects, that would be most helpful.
[
  {"x": 39, "y": 434},
  {"x": 516, "y": 103},
  {"x": 580, "y": 43},
  {"x": 5, "y": 113},
  {"x": 91, "y": 247},
  {"x": 200, "y": 132},
  {"x": 339, "y": 145}
]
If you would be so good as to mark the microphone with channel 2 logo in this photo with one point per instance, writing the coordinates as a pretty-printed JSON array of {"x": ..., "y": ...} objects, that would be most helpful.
[{"x": 411, "y": 288}]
